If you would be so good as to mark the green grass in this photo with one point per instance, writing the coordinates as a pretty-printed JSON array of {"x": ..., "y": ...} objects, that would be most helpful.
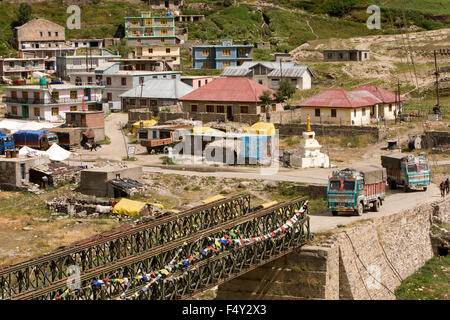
[
  {"x": 429, "y": 283},
  {"x": 107, "y": 140},
  {"x": 167, "y": 160}
]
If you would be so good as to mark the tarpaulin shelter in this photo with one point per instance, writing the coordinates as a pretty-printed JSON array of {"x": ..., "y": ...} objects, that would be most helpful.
[
  {"x": 130, "y": 207},
  {"x": 372, "y": 174},
  {"x": 145, "y": 124},
  {"x": 394, "y": 160},
  {"x": 263, "y": 128}
]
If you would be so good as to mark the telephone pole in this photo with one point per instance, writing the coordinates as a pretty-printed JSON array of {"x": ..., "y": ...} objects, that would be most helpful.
[{"x": 436, "y": 73}]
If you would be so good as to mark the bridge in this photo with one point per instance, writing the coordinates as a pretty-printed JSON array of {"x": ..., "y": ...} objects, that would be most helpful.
[{"x": 173, "y": 257}]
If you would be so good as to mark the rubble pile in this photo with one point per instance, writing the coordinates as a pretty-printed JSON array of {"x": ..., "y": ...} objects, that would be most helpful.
[{"x": 80, "y": 208}]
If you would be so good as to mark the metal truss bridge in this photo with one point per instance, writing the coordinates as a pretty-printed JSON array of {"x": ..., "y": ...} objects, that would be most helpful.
[{"x": 126, "y": 251}]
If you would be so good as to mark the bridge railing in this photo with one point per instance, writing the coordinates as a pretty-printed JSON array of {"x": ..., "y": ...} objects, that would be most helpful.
[{"x": 111, "y": 247}]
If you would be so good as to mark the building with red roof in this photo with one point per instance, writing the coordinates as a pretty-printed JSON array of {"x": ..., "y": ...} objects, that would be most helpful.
[
  {"x": 339, "y": 106},
  {"x": 228, "y": 99},
  {"x": 390, "y": 101}
]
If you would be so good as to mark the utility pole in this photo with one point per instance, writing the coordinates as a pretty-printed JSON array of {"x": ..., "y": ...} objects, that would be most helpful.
[
  {"x": 436, "y": 73},
  {"x": 399, "y": 96}
]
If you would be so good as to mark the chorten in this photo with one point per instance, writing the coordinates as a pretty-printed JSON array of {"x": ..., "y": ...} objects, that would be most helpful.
[{"x": 308, "y": 154}]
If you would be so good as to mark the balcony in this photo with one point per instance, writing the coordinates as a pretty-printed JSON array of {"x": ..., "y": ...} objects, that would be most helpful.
[
  {"x": 77, "y": 100},
  {"x": 22, "y": 100}
]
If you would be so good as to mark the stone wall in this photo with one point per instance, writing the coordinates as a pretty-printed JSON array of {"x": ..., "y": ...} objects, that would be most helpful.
[
  {"x": 297, "y": 129},
  {"x": 167, "y": 116},
  {"x": 366, "y": 261},
  {"x": 431, "y": 139}
]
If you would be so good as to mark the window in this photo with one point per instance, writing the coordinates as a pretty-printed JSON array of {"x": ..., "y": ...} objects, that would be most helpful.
[
  {"x": 133, "y": 101},
  {"x": 167, "y": 50},
  {"x": 162, "y": 40},
  {"x": 205, "y": 52},
  {"x": 56, "y": 33},
  {"x": 226, "y": 52},
  {"x": 317, "y": 112},
  {"x": 244, "y": 109},
  {"x": 205, "y": 65},
  {"x": 274, "y": 107},
  {"x": 341, "y": 56},
  {"x": 14, "y": 109},
  {"x": 193, "y": 108},
  {"x": 242, "y": 52},
  {"x": 163, "y": 31},
  {"x": 73, "y": 108},
  {"x": 330, "y": 55},
  {"x": 354, "y": 112},
  {"x": 55, "y": 111},
  {"x": 390, "y": 107},
  {"x": 148, "y": 22},
  {"x": 55, "y": 95},
  {"x": 14, "y": 94},
  {"x": 363, "y": 111},
  {"x": 150, "y": 50},
  {"x": 108, "y": 81},
  {"x": 263, "y": 109},
  {"x": 163, "y": 22},
  {"x": 109, "y": 96},
  {"x": 91, "y": 107},
  {"x": 124, "y": 81},
  {"x": 37, "y": 112},
  {"x": 220, "y": 109},
  {"x": 24, "y": 64},
  {"x": 333, "y": 113},
  {"x": 36, "y": 95},
  {"x": 199, "y": 83},
  {"x": 41, "y": 34},
  {"x": 209, "y": 108},
  {"x": 153, "y": 103},
  {"x": 25, "y": 95},
  {"x": 73, "y": 95},
  {"x": 143, "y": 102},
  {"x": 49, "y": 33},
  {"x": 226, "y": 64},
  {"x": 11, "y": 64},
  {"x": 89, "y": 80}
]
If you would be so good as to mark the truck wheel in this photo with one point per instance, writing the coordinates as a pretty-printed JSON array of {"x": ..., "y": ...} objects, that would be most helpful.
[
  {"x": 425, "y": 188},
  {"x": 376, "y": 206},
  {"x": 334, "y": 213},
  {"x": 394, "y": 185},
  {"x": 149, "y": 150},
  {"x": 360, "y": 209}
]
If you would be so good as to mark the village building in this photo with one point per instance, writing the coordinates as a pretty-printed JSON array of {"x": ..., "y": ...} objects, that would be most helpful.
[
  {"x": 116, "y": 81},
  {"x": 43, "y": 38},
  {"x": 50, "y": 102},
  {"x": 337, "y": 106},
  {"x": 346, "y": 55},
  {"x": 228, "y": 99},
  {"x": 68, "y": 65},
  {"x": 189, "y": 18},
  {"x": 153, "y": 38},
  {"x": 155, "y": 94},
  {"x": 86, "y": 43},
  {"x": 391, "y": 103},
  {"x": 132, "y": 64},
  {"x": 15, "y": 171},
  {"x": 166, "y": 4},
  {"x": 197, "y": 81},
  {"x": 263, "y": 45},
  {"x": 21, "y": 67},
  {"x": 269, "y": 74},
  {"x": 221, "y": 56}
]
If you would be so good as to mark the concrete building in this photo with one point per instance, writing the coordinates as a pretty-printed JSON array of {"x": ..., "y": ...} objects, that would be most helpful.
[
  {"x": 21, "y": 67},
  {"x": 44, "y": 38},
  {"x": 153, "y": 38},
  {"x": 116, "y": 81},
  {"x": 197, "y": 81},
  {"x": 86, "y": 43},
  {"x": 346, "y": 55},
  {"x": 86, "y": 119},
  {"x": 166, "y": 4},
  {"x": 337, "y": 106},
  {"x": 68, "y": 65},
  {"x": 221, "y": 56},
  {"x": 94, "y": 181},
  {"x": 228, "y": 99},
  {"x": 269, "y": 74},
  {"x": 155, "y": 94},
  {"x": 132, "y": 64},
  {"x": 190, "y": 18},
  {"x": 50, "y": 102},
  {"x": 15, "y": 171},
  {"x": 390, "y": 105}
]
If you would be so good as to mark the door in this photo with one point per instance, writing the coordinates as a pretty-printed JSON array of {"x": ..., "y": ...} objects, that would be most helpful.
[
  {"x": 25, "y": 112},
  {"x": 166, "y": 4},
  {"x": 229, "y": 113}
]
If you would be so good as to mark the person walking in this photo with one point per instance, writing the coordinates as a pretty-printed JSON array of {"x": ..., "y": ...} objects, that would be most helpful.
[
  {"x": 442, "y": 188},
  {"x": 447, "y": 186}
]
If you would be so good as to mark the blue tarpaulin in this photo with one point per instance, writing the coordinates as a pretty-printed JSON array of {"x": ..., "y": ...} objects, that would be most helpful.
[{"x": 29, "y": 135}]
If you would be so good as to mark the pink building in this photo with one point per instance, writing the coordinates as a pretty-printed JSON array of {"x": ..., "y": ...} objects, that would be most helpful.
[
  {"x": 50, "y": 102},
  {"x": 197, "y": 81}
]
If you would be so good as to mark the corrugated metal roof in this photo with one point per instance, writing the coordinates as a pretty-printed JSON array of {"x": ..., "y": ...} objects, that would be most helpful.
[
  {"x": 380, "y": 93},
  {"x": 294, "y": 72},
  {"x": 339, "y": 98},
  {"x": 235, "y": 72},
  {"x": 228, "y": 90},
  {"x": 159, "y": 89},
  {"x": 289, "y": 69}
]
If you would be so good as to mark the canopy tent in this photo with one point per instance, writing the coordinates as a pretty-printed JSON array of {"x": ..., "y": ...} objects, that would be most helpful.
[{"x": 129, "y": 207}]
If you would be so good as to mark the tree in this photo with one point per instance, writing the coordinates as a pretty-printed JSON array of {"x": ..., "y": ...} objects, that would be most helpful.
[
  {"x": 266, "y": 97},
  {"x": 25, "y": 12},
  {"x": 285, "y": 91},
  {"x": 339, "y": 8}
]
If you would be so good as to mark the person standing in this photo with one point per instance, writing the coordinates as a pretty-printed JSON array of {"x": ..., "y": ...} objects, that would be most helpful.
[
  {"x": 442, "y": 188},
  {"x": 447, "y": 186}
]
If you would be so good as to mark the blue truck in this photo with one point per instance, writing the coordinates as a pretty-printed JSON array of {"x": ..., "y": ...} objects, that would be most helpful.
[
  {"x": 406, "y": 170},
  {"x": 356, "y": 189},
  {"x": 38, "y": 139},
  {"x": 6, "y": 142}
]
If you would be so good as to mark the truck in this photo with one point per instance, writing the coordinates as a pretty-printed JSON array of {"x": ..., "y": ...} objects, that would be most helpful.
[
  {"x": 406, "y": 170},
  {"x": 37, "y": 139},
  {"x": 159, "y": 138},
  {"x": 356, "y": 190},
  {"x": 6, "y": 142}
]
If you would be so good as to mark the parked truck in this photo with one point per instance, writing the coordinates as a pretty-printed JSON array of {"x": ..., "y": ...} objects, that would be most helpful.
[
  {"x": 6, "y": 142},
  {"x": 159, "y": 138},
  {"x": 356, "y": 190},
  {"x": 406, "y": 170},
  {"x": 37, "y": 139}
]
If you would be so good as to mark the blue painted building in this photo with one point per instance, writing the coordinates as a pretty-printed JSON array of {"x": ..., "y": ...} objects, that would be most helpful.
[{"x": 221, "y": 56}]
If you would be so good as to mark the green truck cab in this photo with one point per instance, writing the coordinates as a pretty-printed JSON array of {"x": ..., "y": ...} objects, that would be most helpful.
[
  {"x": 406, "y": 170},
  {"x": 356, "y": 190}
]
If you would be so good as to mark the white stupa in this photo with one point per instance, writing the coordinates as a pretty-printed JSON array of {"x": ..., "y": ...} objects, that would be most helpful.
[{"x": 308, "y": 154}]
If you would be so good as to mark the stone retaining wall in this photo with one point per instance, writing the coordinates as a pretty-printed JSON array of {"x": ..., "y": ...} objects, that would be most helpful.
[
  {"x": 366, "y": 261},
  {"x": 297, "y": 129}
]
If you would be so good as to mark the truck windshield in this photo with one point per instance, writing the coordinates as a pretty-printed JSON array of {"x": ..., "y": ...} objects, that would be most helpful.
[
  {"x": 423, "y": 166},
  {"x": 346, "y": 186},
  {"x": 52, "y": 138}
]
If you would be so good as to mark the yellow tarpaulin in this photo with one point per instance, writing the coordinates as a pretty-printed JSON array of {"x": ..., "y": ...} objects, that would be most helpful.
[
  {"x": 212, "y": 199},
  {"x": 269, "y": 204},
  {"x": 129, "y": 207},
  {"x": 263, "y": 128},
  {"x": 146, "y": 124}
]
